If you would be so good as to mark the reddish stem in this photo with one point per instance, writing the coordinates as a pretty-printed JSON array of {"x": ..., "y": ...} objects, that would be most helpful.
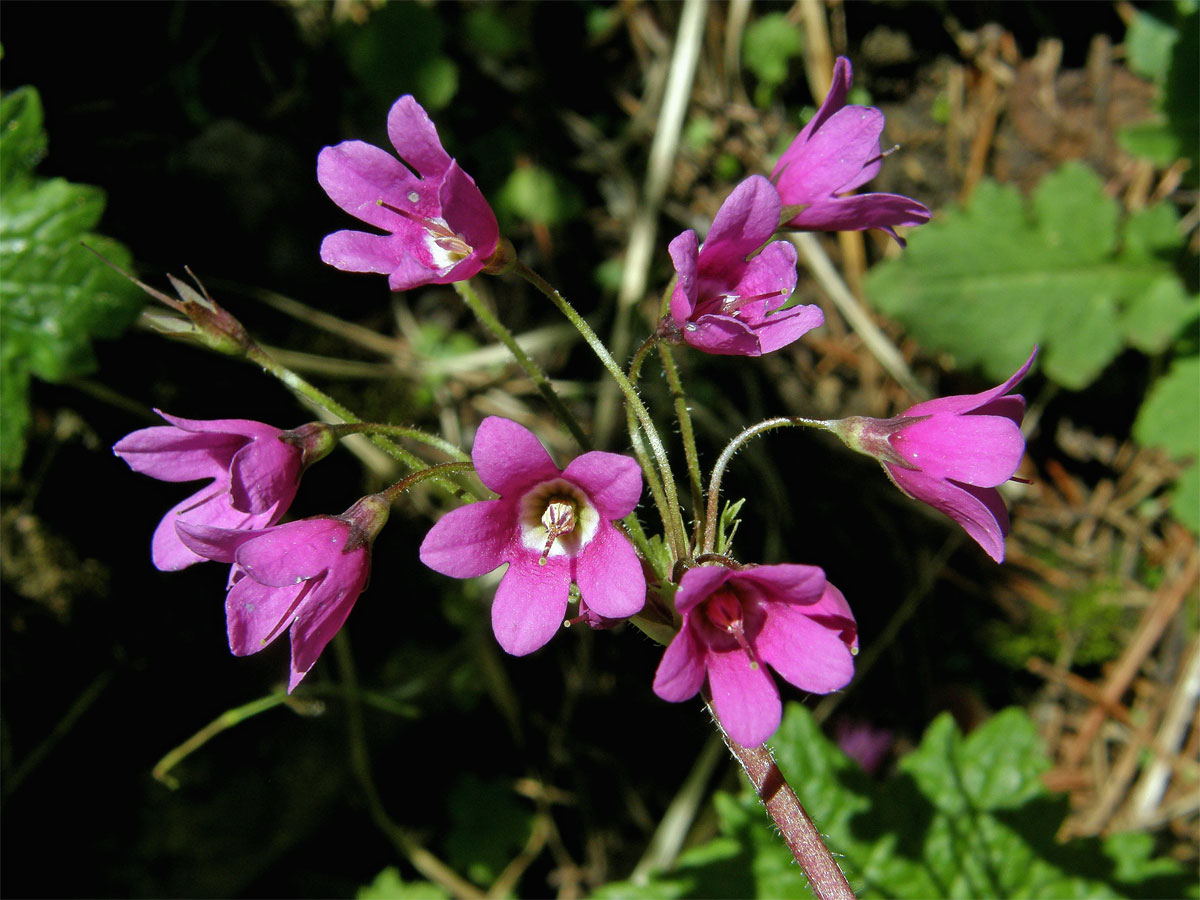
[{"x": 784, "y": 808}]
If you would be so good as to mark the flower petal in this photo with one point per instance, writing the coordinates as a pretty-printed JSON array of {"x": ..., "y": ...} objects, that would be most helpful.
[
  {"x": 965, "y": 403},
  {"x": 471, "y": 540},
  {"x": 785, "y": 327},
  {"x": 839, "y": 156},
  {"x": 325, "y": 610},
  {"x": 980, "y": 511},
  {"x": 680, "y": 672},
  {"x": 860, "y": 212},
  {"x": 264, "y": 475},
  {"x": 979, "y": 450},
  {"x": 697, "y": 584},
  {"x": 612, "y": 481},
  {"x": 771, "y": 275},
  {"x": 530, "y": 605},
  {"x": 787, "y": 582},
  {"x": 684, "y": 251},
  {"x": 415, "y": 138},
  {"x": 358, "y": 251},
  {"x": 745, "y": 221},
  {"x": 212, "y": 542},
  {"x": 722, "y": 336},
  {"x": 609, "y": 574},
  {"x": 294, "y": 552},
  {"x": 810, "y": 655},
  {"x": 357, "y": 175},
  {"x": 208, "y": 506},
  {"x": 744, "y": 696},
  {"x": 509, "y": 458},
  {"x": 172, "y": 454},
  {"x": 255, "y": 614},
  {"x": 468, "y": 213},
  {"x": 839, "y": 90}
]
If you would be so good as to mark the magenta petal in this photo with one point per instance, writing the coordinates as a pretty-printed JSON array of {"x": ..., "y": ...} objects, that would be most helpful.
[
  {"x": 792, "y": 582},
  {"x": 613, "y": 482},
  {"x": 508, "y": 458},
  {"x": 530, "y": 605},
  {"x": 357, "y": 251},
  {"x": 294, "y": 552},
  {"x": 965, "y": 403},
  {"x": 745, "y": 697},
  {"x": 172, "y": 454},
  {"x": 980, "y": 511},
  {"x": 357, "y": 175},
  {"x": 213, "y": 542},
  {"x": 684, "y": 251},
  {"x": 263, "y": 476},
  {"x": 810, "y": 655},
  {"x": 610, "y": 576},
  {"x": 979, "y": 450},
  {"x": 722, "y": 336},
  {"x": 256, "y": 614},
  {"x": 325, "y": 611},
  {"x": 464, "y": 205},
  {"x": 697, "y": 584},
  {"x": 861, "y": 211},
  {"x": 771, "y": 274},
  {"x": 415, "y": 138},
  {"x": 471, "y": 540},
  {"x": 839, "y": 90},
  {"x": 833, "y": 159},
  {"x": 747, "y": 218},
  {"x": 680, "y": 673},
  {"x": 207, "y": 506},
  {"x": 783, "y": 328}
]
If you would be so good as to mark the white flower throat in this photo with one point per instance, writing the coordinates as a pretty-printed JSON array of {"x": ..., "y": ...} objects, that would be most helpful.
[{"x": 556, "y": 519}]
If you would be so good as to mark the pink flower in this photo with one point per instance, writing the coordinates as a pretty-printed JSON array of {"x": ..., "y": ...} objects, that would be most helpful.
[
  {"x": 735, "y": 620},
  {"x": 835, "y": 153},
  {"x": 551, "y": 527},
  {"x": 952, "y": 453},
  {"x": 252, "y": 473},
  {"x": 440, "y": 229},
  {"x": 863, "y": 743},
  {"x": 304, "y": 576},
  {"x": 725, "y": 301}
]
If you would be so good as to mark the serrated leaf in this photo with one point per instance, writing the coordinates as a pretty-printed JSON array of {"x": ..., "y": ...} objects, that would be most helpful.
[
  {"x": 961, "y": 817},
  {"x": 1170, "y": 414},
  {"x": 55, "y": 296},
  {"x": 988, "y": 282},
  {"x": 22, "y": 141}
]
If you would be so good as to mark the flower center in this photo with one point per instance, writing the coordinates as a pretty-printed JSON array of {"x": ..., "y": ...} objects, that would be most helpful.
[
  {"x": 724, "y": 611},
  {"x": 447, "y": 248},
  {"x": 557, "y": 519},
  {"x": 731, "y": 304}
]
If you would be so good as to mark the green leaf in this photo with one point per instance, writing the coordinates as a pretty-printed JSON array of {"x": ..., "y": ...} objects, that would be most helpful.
[
  {"x": 768, "y": 47},
  {"x": 1148, "y": 44},
  {"x": 55, "y": 296},
  {"x": 1170, "y": 414},
  {"x": 489, "y": 827},
  {"x": 961, "y": 817},
  {"x": 537, "y": 195},
  {"x": 388, "y": 885},
  {"x": 988, "y": 282},
  {"x": 727, "y": 525}
]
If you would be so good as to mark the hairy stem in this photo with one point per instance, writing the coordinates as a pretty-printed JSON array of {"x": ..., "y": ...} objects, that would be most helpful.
[
  {"x": 688, "y": 436},
  {"x": 535, "y": 372}
]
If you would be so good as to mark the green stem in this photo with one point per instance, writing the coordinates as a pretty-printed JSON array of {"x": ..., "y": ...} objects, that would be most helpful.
[
  {"x": 420, "y": 858},
  {"x": 672, "y": 519},
  {"x": 392, "y": 492},
  {"x": 718, "y": 472},
  {"x": 402, "y": 431},
  {"x": 535, "y": 372},
  {"x": 635, "y": 367},
  {"x": 653, "y": 482},
  {"x": 688, "y": 436}
]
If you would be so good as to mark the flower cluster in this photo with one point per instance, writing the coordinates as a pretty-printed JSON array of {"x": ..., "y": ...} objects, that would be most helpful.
[{"x": 568, "y": 535}]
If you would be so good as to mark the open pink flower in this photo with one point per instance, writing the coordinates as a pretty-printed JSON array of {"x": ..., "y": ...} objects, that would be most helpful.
[
  {"x": 551, "y": 527},
  {"x": 725, "y": 302},
  {"x": 440, "y": 229},
  {"x": 253, "y": 475},
  {"x": 952, "y": 453},
  {"x": 304, "y": 576},
  {"x": 835, "y": 153},
  {"x": 735, "y": 621}
]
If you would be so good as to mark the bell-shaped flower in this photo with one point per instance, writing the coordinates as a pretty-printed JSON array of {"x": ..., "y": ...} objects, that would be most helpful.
[
  {"x": 738, "y": 621},
  {"x": 303, "y": 576},
  {"x": 439, "y": 229},
  {"x": 550, "y": 527},
  {"x": 952, "y": 453},
  {"x": 253, "y": 471},
  {"x": 835, "y": 153},
  {"x": 727, "y": 299}
]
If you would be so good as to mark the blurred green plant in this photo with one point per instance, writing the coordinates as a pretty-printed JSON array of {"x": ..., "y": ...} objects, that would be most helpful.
[
  {"x": 1091, "y": 621},
  {"x": 1170, "y": 418},
  {"x": 537, "y": 196},
  {"x": 401, "y": 52},
  {"x": 55, "y": 296},
  {"x": 961, "y": 817},
  {"x": 768, "y": 47},
  {"x": 1163, "y": 44},
  {"x": 388, "y": 885}
]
